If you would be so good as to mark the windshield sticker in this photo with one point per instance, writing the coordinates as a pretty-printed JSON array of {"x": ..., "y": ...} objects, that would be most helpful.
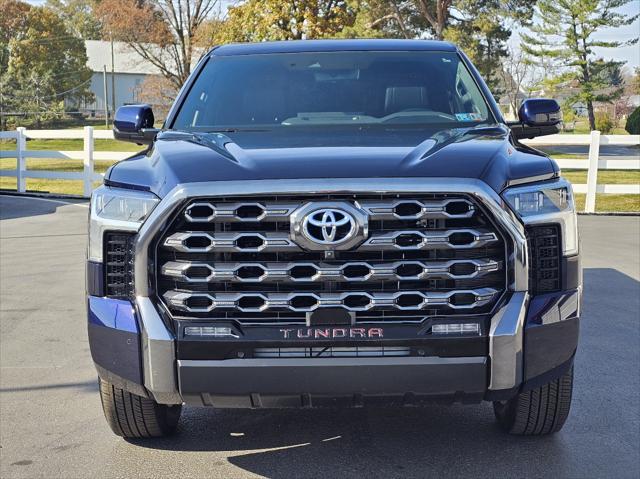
[{"x": 469, "y": 116}]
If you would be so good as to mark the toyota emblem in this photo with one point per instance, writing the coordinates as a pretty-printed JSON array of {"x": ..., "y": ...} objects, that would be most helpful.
[{"x": 328, "y": 226}]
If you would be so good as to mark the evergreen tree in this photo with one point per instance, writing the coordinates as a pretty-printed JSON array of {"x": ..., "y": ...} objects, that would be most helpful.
[{"x": 564, "y": 32}]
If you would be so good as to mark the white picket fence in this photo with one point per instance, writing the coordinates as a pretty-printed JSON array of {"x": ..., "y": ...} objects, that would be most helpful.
[{"x": 89, "y": 155}]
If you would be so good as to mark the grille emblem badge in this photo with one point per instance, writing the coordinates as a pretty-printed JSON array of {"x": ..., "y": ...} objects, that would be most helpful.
[{"x": 329, "y": 226}]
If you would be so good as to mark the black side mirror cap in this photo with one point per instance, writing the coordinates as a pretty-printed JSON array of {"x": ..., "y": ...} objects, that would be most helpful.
[{"x": 134, "y": 123}]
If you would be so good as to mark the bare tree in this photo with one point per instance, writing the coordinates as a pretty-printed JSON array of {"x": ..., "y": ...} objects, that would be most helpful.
[
  {"x": 516, "y": 75},
  {"x": 162, "y": 32}
]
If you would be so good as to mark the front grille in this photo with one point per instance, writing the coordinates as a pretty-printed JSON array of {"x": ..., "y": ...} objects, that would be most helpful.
[
  {"x": 118, "y": 254},
  {"x": 544, "y": 258},
  {"x": 424, "y": 255},
  {"x": 332, "y": 352}
]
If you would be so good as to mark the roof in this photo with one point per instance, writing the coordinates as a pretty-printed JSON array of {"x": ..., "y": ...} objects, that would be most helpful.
[
  {"x": 299, "y": 46},
  {"x": 126, "y": 60}
]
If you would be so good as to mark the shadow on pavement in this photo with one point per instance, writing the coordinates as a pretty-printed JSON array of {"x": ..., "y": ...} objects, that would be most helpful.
[{"x": 12, "y": 206}]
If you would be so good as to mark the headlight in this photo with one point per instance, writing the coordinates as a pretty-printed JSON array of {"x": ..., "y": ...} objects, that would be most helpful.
[
  {"x": 550, "y": 202},
  {"x": 116, "y": 209}
]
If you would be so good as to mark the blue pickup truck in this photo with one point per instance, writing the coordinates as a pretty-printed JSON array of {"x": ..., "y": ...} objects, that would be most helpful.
[{"x": 334, "y": 223}]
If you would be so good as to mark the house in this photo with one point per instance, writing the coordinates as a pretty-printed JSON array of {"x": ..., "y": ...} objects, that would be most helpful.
[{"x": 130, "y": 71}]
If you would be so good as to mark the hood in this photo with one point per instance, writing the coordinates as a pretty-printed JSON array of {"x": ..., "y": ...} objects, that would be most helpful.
[{"x": 483, "y": 153}]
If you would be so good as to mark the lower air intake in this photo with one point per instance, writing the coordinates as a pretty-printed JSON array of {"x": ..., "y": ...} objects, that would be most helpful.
[
  {"x": 118, "y": 255},
  {"x": 544, "y": 258}
]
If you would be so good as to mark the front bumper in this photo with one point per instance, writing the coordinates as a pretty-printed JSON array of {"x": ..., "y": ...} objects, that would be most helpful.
[
  {"x": 327, "y": 381},
  {"x": 531, "y": 341}
]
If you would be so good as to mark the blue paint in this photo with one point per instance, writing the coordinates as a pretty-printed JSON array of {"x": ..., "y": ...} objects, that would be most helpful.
[
  {"x": 132, "y": 118},
  {"x": 534, "y": 106},
  {"x": 112, "y": 313},
  {"x": 553, "y": 307}
]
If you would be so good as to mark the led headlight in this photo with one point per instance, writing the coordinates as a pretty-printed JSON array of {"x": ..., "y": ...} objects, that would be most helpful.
[
  {"x": 116, "y": 209},
  {"x": 550, "y": 202}
]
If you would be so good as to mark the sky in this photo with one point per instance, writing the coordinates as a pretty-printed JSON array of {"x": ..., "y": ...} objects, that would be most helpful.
[{"x": 629, "y": 54}]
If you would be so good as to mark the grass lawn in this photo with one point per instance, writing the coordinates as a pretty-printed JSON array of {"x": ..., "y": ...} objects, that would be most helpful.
[
  {"x": 72, "y": 145},
  {"x": 66, "y": 187},
  {"x": 611, "y": 203},
  {"x": 565, "y": 156},
  {"x": 607, "y": 177},
  {"x": 582, "y": 127}
]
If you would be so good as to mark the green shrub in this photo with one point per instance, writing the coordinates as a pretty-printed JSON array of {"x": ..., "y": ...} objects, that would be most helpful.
[
  {"x": 633, "y": 122},
  {"x": 604, "y": 123}
]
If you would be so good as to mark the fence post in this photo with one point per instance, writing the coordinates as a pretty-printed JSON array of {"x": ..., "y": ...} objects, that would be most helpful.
[
  {"x": 592, "y": 174},
  {"x": 21, "y": 166},
  {"x": 88, "y": 161}
]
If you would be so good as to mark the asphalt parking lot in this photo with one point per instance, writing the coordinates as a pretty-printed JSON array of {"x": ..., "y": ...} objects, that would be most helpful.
[{"x": 51, "y": 423}]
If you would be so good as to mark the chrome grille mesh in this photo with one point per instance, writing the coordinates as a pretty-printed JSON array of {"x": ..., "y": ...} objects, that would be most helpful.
[{"x": 424, "y": 255}]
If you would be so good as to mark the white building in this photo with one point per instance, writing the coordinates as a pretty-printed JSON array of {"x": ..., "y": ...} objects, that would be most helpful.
[{"x": 130, "y": 71}]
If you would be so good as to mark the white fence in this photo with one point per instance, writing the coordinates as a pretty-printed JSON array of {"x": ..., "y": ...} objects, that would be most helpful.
[
  {"x": 594, "y": 163},
  {"x": 89, "y": 155}
]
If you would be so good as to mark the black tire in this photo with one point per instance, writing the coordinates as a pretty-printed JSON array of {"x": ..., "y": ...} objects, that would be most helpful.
[
  {"x": 540, "y": 411},
  {"x": 132, "y": 416}
]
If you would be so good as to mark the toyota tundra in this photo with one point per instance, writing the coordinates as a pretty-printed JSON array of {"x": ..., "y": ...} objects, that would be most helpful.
[{"x": 334, "y": 223}]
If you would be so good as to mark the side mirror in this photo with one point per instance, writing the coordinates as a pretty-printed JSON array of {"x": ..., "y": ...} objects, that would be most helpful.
[
  {"x": 540, "y": 112},
  {"x": 537, "y": 117},
  {"x": 134, "y": 123}
]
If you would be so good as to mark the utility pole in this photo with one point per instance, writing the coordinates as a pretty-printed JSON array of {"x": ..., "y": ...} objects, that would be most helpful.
[
  {"x": 113, "y": 80},
  {"x": 106, "y": 99}
]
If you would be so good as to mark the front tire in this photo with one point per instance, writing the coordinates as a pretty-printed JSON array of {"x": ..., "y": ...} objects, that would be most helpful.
[
  {"x": 132, "y": 416},
  {"x": 539, "y": 411}
]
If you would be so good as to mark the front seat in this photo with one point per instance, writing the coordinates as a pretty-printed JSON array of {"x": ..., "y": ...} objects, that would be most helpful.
[{"x": 400, "y": 98}]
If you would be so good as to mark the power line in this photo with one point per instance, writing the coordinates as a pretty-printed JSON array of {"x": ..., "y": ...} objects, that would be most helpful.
[
  {"x": 60, "y": 38},
  {"x": 55, "y": 94}
]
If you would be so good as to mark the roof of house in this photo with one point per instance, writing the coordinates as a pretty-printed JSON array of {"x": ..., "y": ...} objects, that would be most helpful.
[
  {"x": 126, "y": 60},
  {"x": 298, "y": 46}
]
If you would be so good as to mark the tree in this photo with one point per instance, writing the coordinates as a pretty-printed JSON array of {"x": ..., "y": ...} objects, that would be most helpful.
[
  {"x": 633, "y": 122},
  {"x": 480, "y": 28},
  {"x": 608, "y": 72},
  {"x": 631, "y": 81},
  {"x": 564, "y": 31},
  {"x": 46, "y": 66},
  {"x": 516, "y": 76},
  {"x": 163, "y": 32},
  {"x": 79, "y": 17},
  {"x": 13, "y": 25},
  {"x": 158, "y": 92},
  {"x": 258, "y": 20}
]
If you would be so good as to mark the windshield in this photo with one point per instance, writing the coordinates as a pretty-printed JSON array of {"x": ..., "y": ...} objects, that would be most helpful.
[{"x": 337, "y": 89}]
